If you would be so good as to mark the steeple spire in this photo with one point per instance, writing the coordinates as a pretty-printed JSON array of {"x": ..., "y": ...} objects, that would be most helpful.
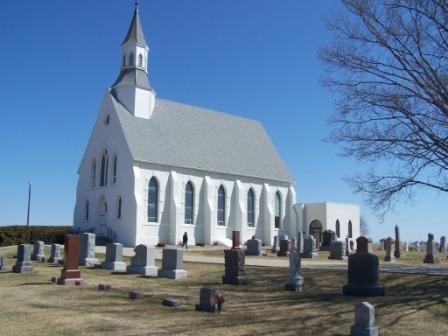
[{"x": 132, "y": 88}]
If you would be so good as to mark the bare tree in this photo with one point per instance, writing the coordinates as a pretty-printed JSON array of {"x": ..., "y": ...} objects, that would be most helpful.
[{"x": 388, "y": 65}]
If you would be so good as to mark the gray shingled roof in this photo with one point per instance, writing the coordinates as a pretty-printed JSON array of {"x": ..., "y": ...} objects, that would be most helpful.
[
  {"x": 134, "y": 77},
  {"x": 135, "y": 32},
  {"x": 187, "y": 136}
]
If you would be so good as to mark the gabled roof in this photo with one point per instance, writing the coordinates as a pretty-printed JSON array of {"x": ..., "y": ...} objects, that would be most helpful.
[
  {"x": 192, "y": 137},
  {"x": 135, "y": 32}
]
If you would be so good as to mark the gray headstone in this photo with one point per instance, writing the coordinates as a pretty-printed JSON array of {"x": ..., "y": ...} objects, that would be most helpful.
[
  {"x": 390, "y": 248},
  {"x": 55, "y": 257},
  {"x": 23, "y": 263},
  {"x": 347, "y": 247},
  {"x": 337, "y": 250},
  {"x": 87, "y": 250},
  {"x": 417, "y": 247},
  {"x": 172, "y": 264},
  {"x": 3, "y": 266},
  {"x": 275, "y": 247},
  {"x": 432, "y": 255},
  {"x": 207, "y": 300},
  {"x": 442, "y": 245},
  {"x": 253, "y": 247},
  {"x": 295, "y": 280},
  {"x": 38, "y": 252},
  {"x": 309, "y": 248},
  {"x": 114, "y": 258},
  {"x": 406, "y": 246},
  {"x": 143, "y": 262},
  {"x": 364, "y": 321}
]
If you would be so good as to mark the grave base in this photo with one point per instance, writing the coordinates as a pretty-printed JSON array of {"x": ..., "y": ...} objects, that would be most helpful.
[
  {"x": 171, "y": 302},
  {"x": 149, "y": 271},
  {"x": 324, "y": 248},
  {"x": 310, "y": 255},
  {"x": 116, "y": 266},
  {"x": 429, "y": 259},
  {"x": 362, "y": 290},
  {"x": 89, "y": 262},
  {"x": 74, "y": 282},
  {"x": 39, "y": 258},
  {"x": 55, "y": 260},
  {"x": 173, "y": 274},
  {"x": 360, "y": 331},
  {"x": 389, "y": 259},
  {"x": 282, "y": 254},
  {"x": 232, "y": 280},
  {"x": 22, "y": 269},
  {"x": 206, "y": 308}
]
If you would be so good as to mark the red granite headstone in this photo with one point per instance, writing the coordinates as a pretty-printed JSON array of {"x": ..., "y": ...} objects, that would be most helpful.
[
  {"x": 70, "y": 274},
  {"x": 235, "y": 239},
  {"x": 363, "y": 244}
]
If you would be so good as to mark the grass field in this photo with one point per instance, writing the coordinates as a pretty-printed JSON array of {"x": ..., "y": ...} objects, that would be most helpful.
[{"x": 31, "y": 305}]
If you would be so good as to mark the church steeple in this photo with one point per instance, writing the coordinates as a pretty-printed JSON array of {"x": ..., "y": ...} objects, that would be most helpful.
[{"x": 132, "y": 87}]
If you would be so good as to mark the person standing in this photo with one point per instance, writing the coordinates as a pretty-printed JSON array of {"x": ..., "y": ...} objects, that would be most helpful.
[{"x": 185, "y": 240}]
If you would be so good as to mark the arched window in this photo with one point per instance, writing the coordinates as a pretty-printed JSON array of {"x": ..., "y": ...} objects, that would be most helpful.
[
  {"x": 131, "y": 59},
  {"x": 140, "y": 60},
  {"x": 104, "y": 168},
  {"x": 93, "y": 173},
  {"x": 278, "y": 210},
  {"x": 250, "y": 208},
  {"x": 338, "y": 229},
  {"x": 221, "y": 206},
  {"x": 114, "y": 169},
  {"x": 189, "y": 201},
  {"x": 119, "y": 208},
  {"x": 153, "y": 196},
  {"x": 350, "y": 229},
  {"x": 87, "y": 210}
]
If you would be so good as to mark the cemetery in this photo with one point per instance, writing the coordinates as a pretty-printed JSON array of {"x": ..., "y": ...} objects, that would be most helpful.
[{"x": 154, "y": 291}]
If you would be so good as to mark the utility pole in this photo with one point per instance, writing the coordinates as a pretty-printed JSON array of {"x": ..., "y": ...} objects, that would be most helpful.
[{"x": 29, "y": 203}]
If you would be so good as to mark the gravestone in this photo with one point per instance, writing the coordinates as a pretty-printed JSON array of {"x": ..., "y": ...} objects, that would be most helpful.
[
  {"x": 309, "y": 248},
  {"x": 363, "y": 271},
  {"x": 114, "y": 258},
  {"x": 432, "y": 256},
  {"x": 171, "y": 302},
  {"x": 406, "y": 246},
  {"x": 390, "y": 256},
  {"x": 285, "y": 246},
  {"x": 3, "y": 266},
  {"x": 442, "y": 245},
  {"x": 207, "y": 300},
  {"x": 364, "y": 321},
  {"x": 234, "y": 273},
  {"x": 417, "y": 247},
  {"x": 328, "y": 236},
  {"x": 23, "y": 263},
  {"x": 275, "y": 247},
  {"x": 143, "y": 262},
  {"x": 70, "y": 274},
  {"x": 300, "y": 242},
  {"x": 135, "y": 295},
  {"x": 236, "y": 239},
  {"x": 87, "y": 250},
  {"x": 172, "y": 264},
  {"x": 337, "y": 250},
  {"x": 295, "y": 280},
  {"x": 55, "y": 257},
  {"x": 38, "y": 252},
  {"x": 397, "y": 242},
  {"x": 382, "y": 244},
  {"x": 348, "y": 251},
  {"x": 253, "y": 247}
]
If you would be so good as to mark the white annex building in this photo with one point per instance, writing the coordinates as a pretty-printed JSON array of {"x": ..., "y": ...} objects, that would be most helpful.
[{"x": 154, "y": 169}]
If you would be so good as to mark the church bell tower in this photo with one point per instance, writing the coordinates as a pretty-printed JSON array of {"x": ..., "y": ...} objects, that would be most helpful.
[{"x": 132, "y": 88}]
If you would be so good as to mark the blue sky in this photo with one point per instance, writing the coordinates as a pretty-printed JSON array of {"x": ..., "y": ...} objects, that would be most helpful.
[{"x": 254, "y": 58}]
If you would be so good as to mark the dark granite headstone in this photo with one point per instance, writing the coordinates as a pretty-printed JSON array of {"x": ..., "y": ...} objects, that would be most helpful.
[
  {"x": 23, "y": 263},
  {"x": 275, "y": 247},
  {"x": 171, "y": 302},
  {"x": 397, "y": 242},
  {"x": 253, "y": 247},
  {"x": 432, "y": 256},
  {"x": 285, "y": 247},
  {"x": 328, "y": 236},
  {"x": 55, "y": 257},
  {"x": 172, "y": 264},
  {"x": 442, "y": 245},
  {"x": 234, "y": 267},
  {"x": 363, "y": 271},
  {"x": 207, "y": 300},
  {"x": 390, "y": 255},
  {"x": 70, "y": 274}
]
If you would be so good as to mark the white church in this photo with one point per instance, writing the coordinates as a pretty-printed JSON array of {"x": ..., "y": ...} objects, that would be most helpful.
[{"x": 154, "y": 169}]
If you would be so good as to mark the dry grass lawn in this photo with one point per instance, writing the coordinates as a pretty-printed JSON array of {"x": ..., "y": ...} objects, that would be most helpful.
[{"x": 31, "y": 305}]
